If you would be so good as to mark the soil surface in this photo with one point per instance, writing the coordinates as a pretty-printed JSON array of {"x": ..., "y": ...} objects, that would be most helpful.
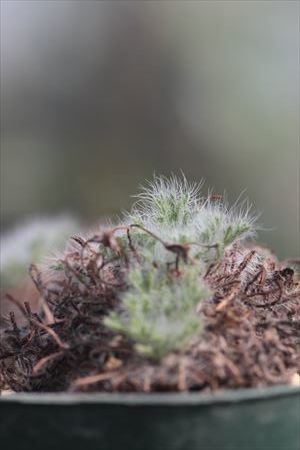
[{"x": 250, "y": 336}]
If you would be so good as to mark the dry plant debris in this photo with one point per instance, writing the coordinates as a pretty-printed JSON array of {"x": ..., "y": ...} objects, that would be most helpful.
[{"x": 173, "y": 299}]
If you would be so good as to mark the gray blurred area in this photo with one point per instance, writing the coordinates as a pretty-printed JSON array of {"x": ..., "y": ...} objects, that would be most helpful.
[{"x": 96, "y": 96}]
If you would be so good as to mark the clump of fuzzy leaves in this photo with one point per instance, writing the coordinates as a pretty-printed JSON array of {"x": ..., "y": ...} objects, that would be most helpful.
[
  {"x": 158, "y": 312},
  {"x": 172, "y": 223}
]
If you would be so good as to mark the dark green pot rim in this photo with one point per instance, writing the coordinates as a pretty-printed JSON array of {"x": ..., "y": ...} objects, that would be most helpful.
[{"x": 168, "y": 399}]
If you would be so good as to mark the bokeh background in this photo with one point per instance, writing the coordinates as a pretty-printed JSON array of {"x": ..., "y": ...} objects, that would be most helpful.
[{"x": 96, "y": 96}]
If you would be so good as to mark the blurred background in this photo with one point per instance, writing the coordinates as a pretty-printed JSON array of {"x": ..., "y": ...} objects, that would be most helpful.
[{"x": 96, "y": 96}]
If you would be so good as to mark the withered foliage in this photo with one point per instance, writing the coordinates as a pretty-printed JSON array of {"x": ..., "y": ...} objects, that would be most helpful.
[{"x": 250, "y": 336}]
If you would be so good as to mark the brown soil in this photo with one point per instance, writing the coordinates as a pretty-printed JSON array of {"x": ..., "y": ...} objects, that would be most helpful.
[{"x": 250, "y": 336}]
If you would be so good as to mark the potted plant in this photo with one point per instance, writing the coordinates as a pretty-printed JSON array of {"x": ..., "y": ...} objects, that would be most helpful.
[{"x": 168, "y": 330}]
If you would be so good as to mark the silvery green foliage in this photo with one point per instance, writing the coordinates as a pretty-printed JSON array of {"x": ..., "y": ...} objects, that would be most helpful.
[
  {"x": 159, "y": 309},
  {"x": 159, "y": 312},
  {"x": 31, "y": 243},
  {"x": 176, "y": 211}
]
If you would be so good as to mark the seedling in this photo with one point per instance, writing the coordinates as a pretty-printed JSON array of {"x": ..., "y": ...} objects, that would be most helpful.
[{"x": 173, "y": 222}]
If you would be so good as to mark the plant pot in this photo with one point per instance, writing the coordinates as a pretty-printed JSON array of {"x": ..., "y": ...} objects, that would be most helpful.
[{"x": 261, "y": 419}]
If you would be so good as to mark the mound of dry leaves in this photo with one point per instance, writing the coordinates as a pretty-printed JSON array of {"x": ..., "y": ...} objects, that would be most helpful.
[{"x": 250, "y": 336}]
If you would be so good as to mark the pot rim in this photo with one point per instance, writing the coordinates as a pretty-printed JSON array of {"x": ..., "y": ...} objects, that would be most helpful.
[{"x": 161, "y": 399}]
